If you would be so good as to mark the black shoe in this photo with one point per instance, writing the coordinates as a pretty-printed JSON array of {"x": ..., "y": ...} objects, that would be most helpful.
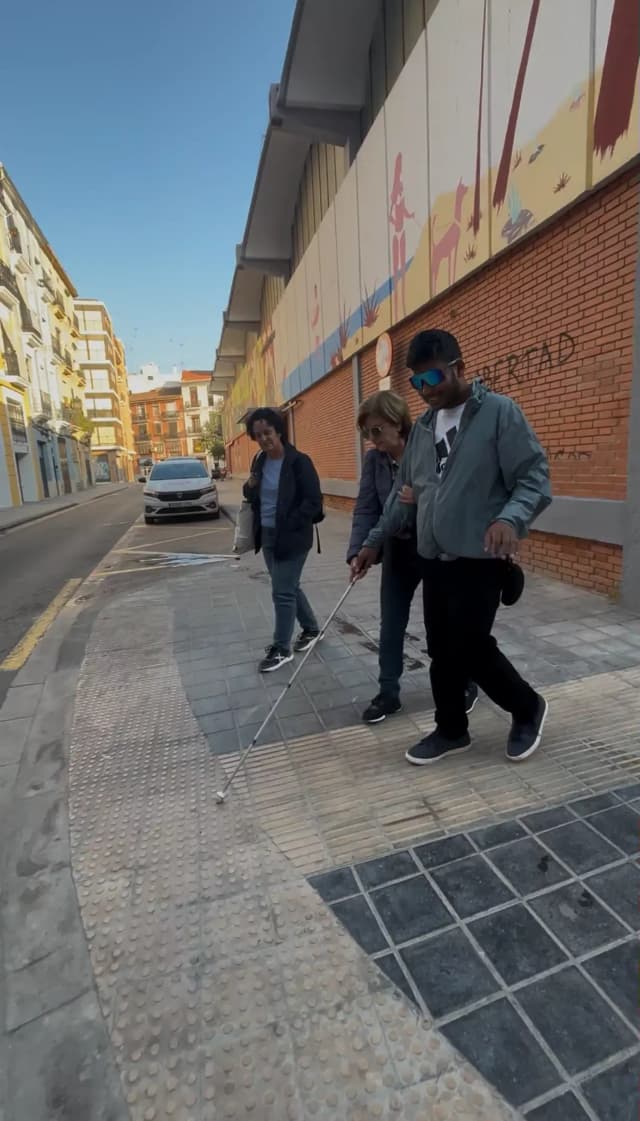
[
  {"x": 304, "y": 641},
  {"x": 524, "y": 739},
  {"x": 275, "y": 659},
  {"x": 435, "y": 746},
  {"x": 380, "y": 708},
  {"x": 470, "y": 697}
]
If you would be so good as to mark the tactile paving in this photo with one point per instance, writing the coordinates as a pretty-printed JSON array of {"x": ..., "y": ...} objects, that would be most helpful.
[{"x": 229, "y": 988}]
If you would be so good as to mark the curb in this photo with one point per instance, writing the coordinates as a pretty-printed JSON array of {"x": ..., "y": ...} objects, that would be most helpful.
[{"x": 40, "y": 514}]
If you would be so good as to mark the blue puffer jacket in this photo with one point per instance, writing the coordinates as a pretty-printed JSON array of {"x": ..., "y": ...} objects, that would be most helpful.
[{"x": 376, "y": 483}]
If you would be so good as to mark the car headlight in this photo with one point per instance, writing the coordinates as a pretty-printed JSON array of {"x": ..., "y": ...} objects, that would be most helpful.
[
  {"x": 210, "y": 490},
  {"x": 150, "y": 493}
]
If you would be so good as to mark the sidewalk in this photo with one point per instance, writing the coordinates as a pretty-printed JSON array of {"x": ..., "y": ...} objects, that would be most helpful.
[
  {"x": 347, "y": 937},
  {"x": 12, "y": 516}
]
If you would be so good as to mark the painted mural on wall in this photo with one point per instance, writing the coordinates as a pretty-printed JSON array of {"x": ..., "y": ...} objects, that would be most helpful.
[
  {"x": 539, "y": 107},
  {"x": 257, "y": 383}
]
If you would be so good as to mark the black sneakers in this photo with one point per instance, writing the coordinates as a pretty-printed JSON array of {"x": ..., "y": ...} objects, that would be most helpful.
[
  {"x": 470, "y": 697},
  {"x": 304, "y": 641},
  {"x": 435, "y": 747},
  {"x": 380, "y": 708},
  {"x": 524, "y": 739},
  {"x": 274, "y": 659}
]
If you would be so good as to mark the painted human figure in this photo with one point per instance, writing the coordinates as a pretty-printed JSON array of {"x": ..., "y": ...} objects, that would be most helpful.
[{"x": 398, "y": 214}]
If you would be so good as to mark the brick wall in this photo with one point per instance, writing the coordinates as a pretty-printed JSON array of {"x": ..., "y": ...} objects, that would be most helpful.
[
  {"x": 551, "y": 324},
  {"x": 324, "y": 424}
]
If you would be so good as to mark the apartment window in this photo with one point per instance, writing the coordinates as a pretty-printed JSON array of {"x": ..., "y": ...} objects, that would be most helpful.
[
  {"x": 105, "y": 435},
  {"x": 97, "y": 350},
  {"x": 92, "y": 321},
  {"x": 155, "y": 410},
  {"x": 16, "y": 421},
  {"x": 172, "y": 428},
  {"x": 193, "y": 397},
  {"x": 101, "y": 404},
  {"x": 98, "y": 379},
  {"x": 157, "y": 428},
  {"x": 196, "y": 426}
]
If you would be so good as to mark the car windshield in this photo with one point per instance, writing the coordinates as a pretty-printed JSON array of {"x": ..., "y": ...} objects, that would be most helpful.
[{"x": 178, "y": 470}]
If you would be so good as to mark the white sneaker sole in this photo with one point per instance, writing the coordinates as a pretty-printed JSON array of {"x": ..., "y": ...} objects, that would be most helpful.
[
  {"x": 385, "y": 716},
  {"x": 272, "y": 669},
  {"x": 534, "y": 746},
  {"x": 304, "y": 649},
  {"x": 469, "y": 710},
  {"x": 428, "y": 762}
]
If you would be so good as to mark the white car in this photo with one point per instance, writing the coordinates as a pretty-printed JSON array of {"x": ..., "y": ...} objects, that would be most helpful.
[{"x": 179, "y": 487}]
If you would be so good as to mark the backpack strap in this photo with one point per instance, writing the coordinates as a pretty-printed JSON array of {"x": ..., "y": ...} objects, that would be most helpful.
[{"x": 318, "y": 539}]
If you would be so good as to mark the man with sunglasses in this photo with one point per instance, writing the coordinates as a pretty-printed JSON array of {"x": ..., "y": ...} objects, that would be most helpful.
[{"x": 474, "y": 477}]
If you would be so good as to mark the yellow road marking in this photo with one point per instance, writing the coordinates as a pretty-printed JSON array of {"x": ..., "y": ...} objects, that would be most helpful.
[{"x": 27, "y": 644}]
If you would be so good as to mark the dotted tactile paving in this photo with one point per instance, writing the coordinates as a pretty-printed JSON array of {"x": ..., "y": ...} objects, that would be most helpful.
[{"x": 229, "y": 988}]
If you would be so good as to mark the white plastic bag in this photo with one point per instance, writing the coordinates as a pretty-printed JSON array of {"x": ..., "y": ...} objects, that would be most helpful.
[{"x": 244, "y": 540}]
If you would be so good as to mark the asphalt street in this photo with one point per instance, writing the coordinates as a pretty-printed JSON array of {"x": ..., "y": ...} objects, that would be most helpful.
[{"x": 37, "y": 560}]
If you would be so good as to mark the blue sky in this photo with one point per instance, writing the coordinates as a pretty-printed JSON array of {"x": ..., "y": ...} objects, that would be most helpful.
[{"x": 133, "y": 130}]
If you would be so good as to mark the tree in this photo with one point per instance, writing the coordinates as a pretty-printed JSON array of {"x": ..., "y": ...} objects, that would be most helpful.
[{"x": 212, "y": 436}]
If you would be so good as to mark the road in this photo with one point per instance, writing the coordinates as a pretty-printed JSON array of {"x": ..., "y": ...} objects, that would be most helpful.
[{"x": 38, "y": 559}]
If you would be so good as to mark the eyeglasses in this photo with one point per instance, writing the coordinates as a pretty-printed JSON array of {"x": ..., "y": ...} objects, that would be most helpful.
[
  {"x": 430, "y": 377},
  {"x": 374, "y": 432}
]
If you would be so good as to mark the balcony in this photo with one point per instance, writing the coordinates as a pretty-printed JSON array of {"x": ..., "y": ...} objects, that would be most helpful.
[
  {"x": 27, "y": 322},
  {"x": 12, "y": 365},
  {"x": 75, "y": 326},
  {"x": 17, "y": 422},
  {"x": 48, "y": 290},
  {"x": 46, "y": 407},
  {"x": 9, "y": 291},
  {"x": 144, "y": 447},
  {"x": 58, "y": 306}
]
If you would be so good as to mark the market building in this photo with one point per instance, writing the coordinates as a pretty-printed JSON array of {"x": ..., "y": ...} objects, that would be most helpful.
[{"x": 478, "y": 174}]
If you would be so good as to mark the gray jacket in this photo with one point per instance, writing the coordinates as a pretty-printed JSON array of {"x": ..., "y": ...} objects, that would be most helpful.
[
  {"x": 496, "y": 471},
  {"x": 376, "y": 483}
]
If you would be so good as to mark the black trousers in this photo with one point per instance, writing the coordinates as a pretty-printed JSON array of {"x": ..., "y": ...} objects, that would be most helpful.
[
  {"x": 401, "y": 574},
  {"x": 461, "y": 598}
]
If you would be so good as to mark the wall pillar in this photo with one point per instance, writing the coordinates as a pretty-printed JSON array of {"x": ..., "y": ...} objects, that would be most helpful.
[{"x": 631, "y": 548}]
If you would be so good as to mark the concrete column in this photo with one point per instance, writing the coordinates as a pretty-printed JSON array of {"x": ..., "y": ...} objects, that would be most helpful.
[
  {"x": 631, "y": 547},
  {"x": 357, "y": 397}
]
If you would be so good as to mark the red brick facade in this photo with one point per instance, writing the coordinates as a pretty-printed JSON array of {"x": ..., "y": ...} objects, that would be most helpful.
[{"x": 550, "y": 322}]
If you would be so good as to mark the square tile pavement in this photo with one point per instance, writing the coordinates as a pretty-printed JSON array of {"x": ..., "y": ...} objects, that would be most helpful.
[{"x": 520, "y": 941}]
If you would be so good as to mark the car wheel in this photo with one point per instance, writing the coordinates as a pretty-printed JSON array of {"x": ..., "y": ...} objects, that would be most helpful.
[{"x": 149, "y": 521}]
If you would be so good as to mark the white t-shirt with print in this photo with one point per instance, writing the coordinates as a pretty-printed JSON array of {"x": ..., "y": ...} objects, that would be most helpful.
[{"x": 446, "y": 430}]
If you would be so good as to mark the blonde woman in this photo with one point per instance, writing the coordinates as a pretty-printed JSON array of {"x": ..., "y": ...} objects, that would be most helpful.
[{"x": 385, "y": 422}]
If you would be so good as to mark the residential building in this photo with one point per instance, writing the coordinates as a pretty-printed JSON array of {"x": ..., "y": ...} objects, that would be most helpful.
[
  {"x": 102, "y": 361},
  {"x": 198, "y": 407},
  {"x": 148, "y": 377},
  {"x": 158, "y": 424},
  {"x": 44, "y": 434},
  {"x": 480, "y": 174}
]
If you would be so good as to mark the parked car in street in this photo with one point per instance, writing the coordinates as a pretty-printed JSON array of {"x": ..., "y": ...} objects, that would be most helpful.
[{"x": 179, "y": 487}]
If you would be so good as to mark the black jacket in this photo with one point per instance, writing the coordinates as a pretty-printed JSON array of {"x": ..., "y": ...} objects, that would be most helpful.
[{"x": 299, "y": 503}]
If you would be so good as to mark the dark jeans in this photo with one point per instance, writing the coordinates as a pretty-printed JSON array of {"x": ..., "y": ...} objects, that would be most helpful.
[
  {"x": 461, "y": 598},
  {"x": 401, "y": 574},
  {"x": 289, "y": 600}
]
